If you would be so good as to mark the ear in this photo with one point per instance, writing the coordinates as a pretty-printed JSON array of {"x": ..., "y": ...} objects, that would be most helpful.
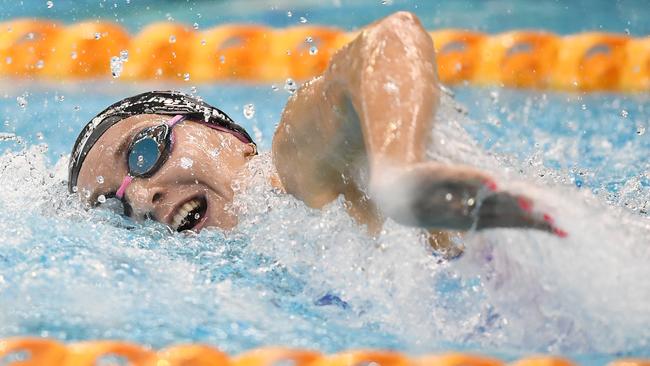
[{"x": 250, "y": 150}]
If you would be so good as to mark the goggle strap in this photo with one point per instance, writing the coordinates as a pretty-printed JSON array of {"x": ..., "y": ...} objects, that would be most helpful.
[
  {"x": 125, "y": 183},
  {"x": 177, "y": 118}
]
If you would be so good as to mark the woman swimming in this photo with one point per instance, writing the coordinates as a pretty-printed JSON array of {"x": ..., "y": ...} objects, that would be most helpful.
[{"x": 360, "y": 130}]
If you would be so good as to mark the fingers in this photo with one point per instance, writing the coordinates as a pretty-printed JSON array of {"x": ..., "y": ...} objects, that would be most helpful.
[{"x": 503, "y": 209}]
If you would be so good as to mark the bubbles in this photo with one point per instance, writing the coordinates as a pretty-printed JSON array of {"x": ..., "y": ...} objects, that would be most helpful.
[
  {"x": 186, "y": 162},
  {"x": 101, "y": 198},
  {"x": 49, "y": 4},
  {"x": 303, "y": 20},
  {"x": 98, "y": 36},
  {"x": 222, "y": 59},
  {"x": 124, "y": 55},
  {"x": 172, "y": 39},
  {"x": 116, "y": 66},
  {"x": 8, "y": 60},
  {"x": 386, "y": 2},
  {"x": 73, "y": 55},
  {"x": 289, "y": 14},
  {"x": 22, "y": 100},
  {"x": 186, "y": 76},
  {"x": 290, "y": 86},
  {"x": 100, "y": 179},
  {"x": 195, "y": 25},
  {"x": 313, "y": 50},
  {"x": 40, "y": 64},
  {"x": 640, "y": 130},
  {"x": 249, "y": 111},
  {"x": 140, "y": 161},
  {"x": 7, "y": 136},
  {"x": 624, "y": 113}
]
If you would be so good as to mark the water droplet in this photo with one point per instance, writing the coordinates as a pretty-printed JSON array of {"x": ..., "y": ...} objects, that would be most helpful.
[
  {"x": 40, "y": 64},
  {"x": 75, "y": 189},
  {"x": 195, "y": 25},
  {"x": 309, "y": 39},
  {"x": 193, "y": 90},
  {"x": 100, "y": 179},
  {"x": 172, "y": 39},
  {"x": 386, "y": 2},
  {"x": 59, "y": 97},
  {"x": 249, "y": 110},
  {"x": 49, "y": 4},
  {"x": 39, "y": 135},
  {"x": 640, "y": 130},
  {"x": 186, "y": 76},
  {"x": 627, "y": 31},
  {"x": 124, "y": 55},
  {"x": 77, "y": 108},
  {"x": 101, "y": 198},
  {"x": 222, "y": 59},
  {"x": 8, "y": 60},
  {"x": 303, "y": 20},
  {"x": 290, "y": 86},
  {"x": 98, "y": 36},
  {"x": 73, "y": 55},
  {"x": 449, "y": 197},
  {"x": 186, "y": 163},
  {"x": 203, "y": 42},
  {"x": 274, "y": 87},
  {"x": 116, "y": 66},
  {"x": 624, "y": 113},
  {"x": 140, "y": 162},
  {"x": 22, "y": 101},
  {"x": 30, "y": 36},
  {"x": 583, "y": 107},
  {"x": 313, "y": 50},
  {"x": 289, "y": 14}
]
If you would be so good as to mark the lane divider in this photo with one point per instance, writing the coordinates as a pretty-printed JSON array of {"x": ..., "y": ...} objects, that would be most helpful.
[
  {"x": 171, "y": 51},
  {"x": 40, "y": 351}
]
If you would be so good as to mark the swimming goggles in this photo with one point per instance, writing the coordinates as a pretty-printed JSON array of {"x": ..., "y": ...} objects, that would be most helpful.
[{"x": 151, "y": 148}]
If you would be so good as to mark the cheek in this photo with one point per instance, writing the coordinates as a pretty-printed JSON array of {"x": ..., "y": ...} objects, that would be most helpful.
[{"x": 220, "y": 213}]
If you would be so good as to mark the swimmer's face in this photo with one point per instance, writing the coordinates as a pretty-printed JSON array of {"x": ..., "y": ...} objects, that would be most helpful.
[{"x": 197, "y": 177}]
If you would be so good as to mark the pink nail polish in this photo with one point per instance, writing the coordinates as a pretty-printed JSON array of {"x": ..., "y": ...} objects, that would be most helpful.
[
  {"x": 490, "y": 184},
  {"x": 548, "y": 218},
  {"x": 561, "y": 233},
  {"x": 525, "y": 204}
]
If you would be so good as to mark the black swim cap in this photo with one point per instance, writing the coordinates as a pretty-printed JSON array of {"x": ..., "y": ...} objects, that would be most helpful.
[{"x": 156, "y": 102}]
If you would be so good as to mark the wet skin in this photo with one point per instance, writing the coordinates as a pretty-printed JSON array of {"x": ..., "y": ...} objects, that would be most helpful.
[
  {"x": 217, "y": 158},
  {"x": 360, "y": 130}
]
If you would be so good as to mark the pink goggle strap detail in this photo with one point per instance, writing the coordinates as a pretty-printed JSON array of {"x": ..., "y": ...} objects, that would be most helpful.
[
  {"x": 125, "y": 183},
  {"x": 128, "y": 179}
]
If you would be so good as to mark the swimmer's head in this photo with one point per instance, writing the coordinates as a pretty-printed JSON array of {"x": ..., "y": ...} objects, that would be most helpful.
[{"x": 166, "y": 155}]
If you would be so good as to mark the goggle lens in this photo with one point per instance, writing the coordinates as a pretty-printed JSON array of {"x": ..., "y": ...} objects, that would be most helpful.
[{"x": 146, "y": 151}]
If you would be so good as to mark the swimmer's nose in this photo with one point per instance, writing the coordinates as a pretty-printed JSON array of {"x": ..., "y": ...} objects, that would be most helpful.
[{"x": 145, "y": 199}]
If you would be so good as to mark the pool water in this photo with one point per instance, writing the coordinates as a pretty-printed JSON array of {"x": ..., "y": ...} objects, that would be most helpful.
[{"x": 289, "y": 275}]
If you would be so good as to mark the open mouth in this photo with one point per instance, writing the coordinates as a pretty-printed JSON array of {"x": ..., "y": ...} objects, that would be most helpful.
[{"x": 190, "y": 214}]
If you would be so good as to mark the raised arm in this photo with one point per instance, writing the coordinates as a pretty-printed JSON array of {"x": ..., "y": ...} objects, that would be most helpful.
[{"x": 362, "y": 128}]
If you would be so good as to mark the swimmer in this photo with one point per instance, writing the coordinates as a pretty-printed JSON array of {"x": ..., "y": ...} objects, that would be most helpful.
[{"x": 359, "y": 130}]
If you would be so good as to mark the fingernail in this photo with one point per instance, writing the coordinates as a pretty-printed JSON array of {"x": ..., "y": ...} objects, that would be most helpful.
[
  {"x": 559, "y": 232},
  {"x": 525, "y": 204},
  {"x": 548, "y": 218},
  {"x": 490, "y": 184}
]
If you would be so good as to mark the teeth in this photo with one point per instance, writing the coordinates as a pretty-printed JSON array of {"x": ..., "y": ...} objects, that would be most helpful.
[{"x": 182, "y": 213}]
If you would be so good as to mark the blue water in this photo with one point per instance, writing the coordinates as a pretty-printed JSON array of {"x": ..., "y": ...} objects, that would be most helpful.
[{"x": 294, "y": 276}]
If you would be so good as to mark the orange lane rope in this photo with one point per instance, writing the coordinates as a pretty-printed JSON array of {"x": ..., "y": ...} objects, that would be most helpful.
[
  {"x": 170, "y": 51},
  {"x": 40, "y": 351}
]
